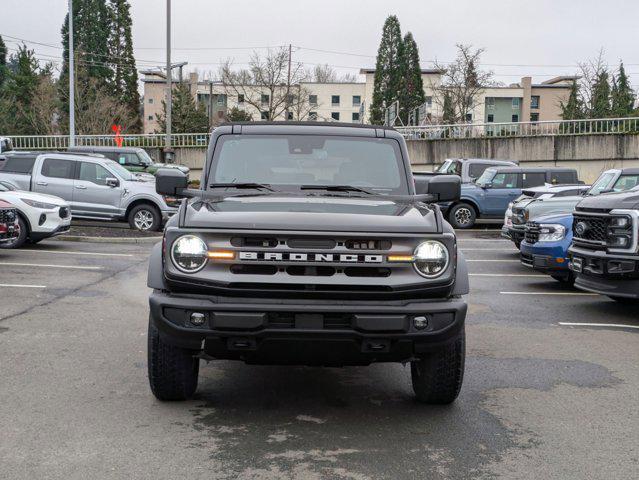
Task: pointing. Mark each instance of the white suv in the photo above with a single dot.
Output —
(40, 216)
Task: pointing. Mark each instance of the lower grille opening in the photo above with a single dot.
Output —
(329, 320)
(320, 271)
(254, 269)
(364, 244)
(367, 272)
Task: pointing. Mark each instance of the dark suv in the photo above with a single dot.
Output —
(309, 243)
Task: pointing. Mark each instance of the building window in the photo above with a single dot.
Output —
(312, 100)
(490, 103)
(221, 99)
(514, 118)
(356, 116)
(264, 115)
(534, 117)
(150, 117)
(357, 100)
(289, 116)
(469, 117)
(428, 101)
(491, 118)
(335, 115)
(312, 116)
(240, 98)
(534, 101)
(515, 103)
(335, 100)
(150, 100)
(264, 99)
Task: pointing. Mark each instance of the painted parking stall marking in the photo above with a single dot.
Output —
(45, 265)
(598, 325)
(12, 285)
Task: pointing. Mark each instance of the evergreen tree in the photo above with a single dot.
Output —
(600, 101)
(3, 61)
(448, 110)
(19, 91)
(388, 70)
(186, 116)
(122, 62)
(573, 108)
(411, 94)
(622, 95)
(239, 115)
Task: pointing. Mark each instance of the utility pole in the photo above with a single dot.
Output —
(288, 83)
(168, 151)
(71, 80)
(210, 103)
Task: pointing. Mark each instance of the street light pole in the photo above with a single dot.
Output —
(167, 147)
(71, 79)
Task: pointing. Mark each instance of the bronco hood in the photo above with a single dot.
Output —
(310, 213)
(610, 201)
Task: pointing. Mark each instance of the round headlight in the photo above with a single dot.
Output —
(431, 259)
(189, 253)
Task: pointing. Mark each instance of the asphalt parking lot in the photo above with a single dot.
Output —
(540, 399)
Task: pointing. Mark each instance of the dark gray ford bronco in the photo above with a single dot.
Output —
(309, 244)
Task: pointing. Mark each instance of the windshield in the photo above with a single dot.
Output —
(5, 187)
(122, 172)
(145, 158)
(451, 167)
(486, 177)
(287, 162)
(551, 207)
(602, 183)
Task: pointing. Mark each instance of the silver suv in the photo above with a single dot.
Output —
(95, 187)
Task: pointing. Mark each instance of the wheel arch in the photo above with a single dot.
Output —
(468, 201)
(141, 201)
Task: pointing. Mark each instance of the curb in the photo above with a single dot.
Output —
(139, 240)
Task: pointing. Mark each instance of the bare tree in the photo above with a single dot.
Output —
(268, 85)
(591, 73)
(462, 83)
(97, 111)
(327, 74)
(43, 114)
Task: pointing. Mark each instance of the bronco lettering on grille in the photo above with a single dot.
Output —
(310, 257)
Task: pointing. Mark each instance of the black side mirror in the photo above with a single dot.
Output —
(169, 181)
(112, 182)
(447, 188)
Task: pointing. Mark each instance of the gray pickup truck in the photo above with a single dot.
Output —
(94, 187)
(309, 243)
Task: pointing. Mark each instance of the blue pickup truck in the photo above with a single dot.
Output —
(490, 195)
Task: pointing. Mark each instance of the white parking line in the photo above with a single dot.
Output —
(609, 325)
(44, 265)
(494, 260)
(8, 285)
(578, 294)
(67, 252)
(527, 275)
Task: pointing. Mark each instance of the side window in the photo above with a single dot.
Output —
(626, 182)
(94, 173)
(18, 164)
(562, 177)
(56, 168)
(505, 180)
(476, 169)
(534, 179)
(128, 159)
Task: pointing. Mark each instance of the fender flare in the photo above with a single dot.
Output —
(155, 276)
(462, 286)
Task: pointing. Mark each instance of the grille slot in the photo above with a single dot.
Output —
(313, 271)
(254, 269)
(532, 233)
(262, 242)
(367, 272)
(312, 243)
(355, 244)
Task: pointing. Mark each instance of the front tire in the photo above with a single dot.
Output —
(462, 215)
(145, 218)
(21, 239)
(173, 371)
(437, 378)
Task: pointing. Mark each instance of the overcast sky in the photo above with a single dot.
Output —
(542, 38)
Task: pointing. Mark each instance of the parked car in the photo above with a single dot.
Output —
(9, 227)
(547, 236)
(469, 169)
(514, 219)
(132, 158)
(6, 145)
(94, 187)
(490, 195)
(40, 216)
(604, 254)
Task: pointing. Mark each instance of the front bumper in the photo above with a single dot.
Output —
(60, 230)
(308, 332)
(604, 273)
(516, 234)
(505, 232)
(550, 258)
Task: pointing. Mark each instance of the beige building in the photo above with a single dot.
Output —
(348, 102)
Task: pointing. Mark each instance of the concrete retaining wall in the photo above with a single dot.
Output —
(589, 154)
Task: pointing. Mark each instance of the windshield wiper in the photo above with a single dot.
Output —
(337, 188)
(257, 186)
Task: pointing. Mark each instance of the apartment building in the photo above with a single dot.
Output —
(349, 102)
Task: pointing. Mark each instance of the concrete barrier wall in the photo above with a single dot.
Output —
(589, 154)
